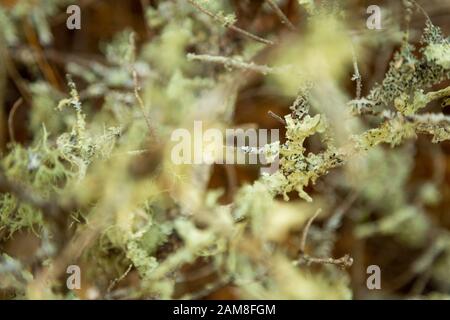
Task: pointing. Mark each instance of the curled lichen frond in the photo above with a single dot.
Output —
(297, 168)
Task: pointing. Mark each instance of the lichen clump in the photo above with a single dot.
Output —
(94, 184)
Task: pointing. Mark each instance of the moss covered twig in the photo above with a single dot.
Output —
(236, 63)
(228, 24)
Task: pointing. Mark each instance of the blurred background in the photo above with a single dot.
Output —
(397, 216)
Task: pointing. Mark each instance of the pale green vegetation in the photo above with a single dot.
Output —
(98, 188)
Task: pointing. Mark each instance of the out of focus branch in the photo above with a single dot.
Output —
(344, 262)
(280, 14)
(219, 19)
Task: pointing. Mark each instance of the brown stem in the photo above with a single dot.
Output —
(16, 105)
(344, 262)
(280, 14)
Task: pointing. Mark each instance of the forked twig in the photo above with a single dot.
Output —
(280, 14)
(344, 262)
(218, 18)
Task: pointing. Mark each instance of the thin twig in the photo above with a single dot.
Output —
(344, 262)
(16, 105)
(334, 222)
(421, 9)
(276, 117)
(356, 76)
(280, 14)
(117, 280)
(227, 25)
(306, 230)
(232, 63)
(140, 101)
(208, 289)
(137, 88)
